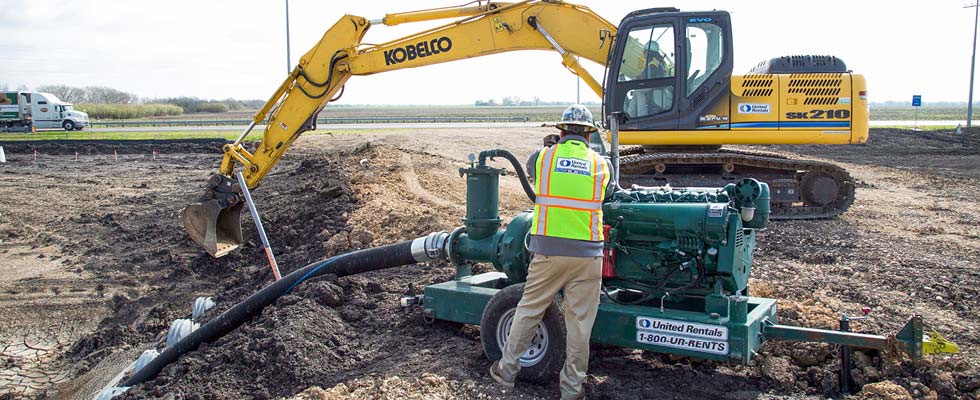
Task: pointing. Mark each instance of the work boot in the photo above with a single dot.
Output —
(496, 374)
(581, 396)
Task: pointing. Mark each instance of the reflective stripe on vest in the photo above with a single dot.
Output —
(570, 187)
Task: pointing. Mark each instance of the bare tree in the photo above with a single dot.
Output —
(66, 93)
(3, 87)
(108, 95)
(22, 87)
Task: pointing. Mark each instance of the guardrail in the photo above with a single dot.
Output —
(325, 121)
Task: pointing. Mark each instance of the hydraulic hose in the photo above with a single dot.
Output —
(361, 261)
(528, 190)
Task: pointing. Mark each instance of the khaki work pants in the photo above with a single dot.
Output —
(581, 280)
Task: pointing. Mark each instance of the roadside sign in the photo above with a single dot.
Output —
(916, 102)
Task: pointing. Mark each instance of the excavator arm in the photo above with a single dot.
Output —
(487, 28)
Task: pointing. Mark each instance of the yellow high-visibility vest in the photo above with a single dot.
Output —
(570, 185)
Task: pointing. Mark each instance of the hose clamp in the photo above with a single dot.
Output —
(430, 247)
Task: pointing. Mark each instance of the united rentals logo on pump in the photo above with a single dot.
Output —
(419, 50)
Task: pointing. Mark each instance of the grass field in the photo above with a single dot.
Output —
(539, 114)
(920, 128)
(535, 114)
(925, 113)
(85, 135)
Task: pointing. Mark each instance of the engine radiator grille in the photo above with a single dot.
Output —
(819, 89)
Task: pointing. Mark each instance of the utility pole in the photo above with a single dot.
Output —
(973, 62)
(289, 63)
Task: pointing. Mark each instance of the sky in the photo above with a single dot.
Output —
(236, 48)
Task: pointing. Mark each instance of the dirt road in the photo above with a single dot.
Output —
(94, 266)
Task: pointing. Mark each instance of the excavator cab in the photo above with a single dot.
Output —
(669, 68)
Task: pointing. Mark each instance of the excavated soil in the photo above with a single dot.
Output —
(95, 266)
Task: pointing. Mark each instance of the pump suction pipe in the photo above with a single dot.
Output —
(393, 255)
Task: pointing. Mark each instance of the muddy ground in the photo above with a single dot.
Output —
(94, 265)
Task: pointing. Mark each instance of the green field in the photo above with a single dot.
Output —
(925, 113)
(535, 114)
(174, 135)
(542, 113)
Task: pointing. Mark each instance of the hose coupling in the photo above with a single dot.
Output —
(430, 247)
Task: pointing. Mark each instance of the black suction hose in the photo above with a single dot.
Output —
(528, 190)
(392, 255)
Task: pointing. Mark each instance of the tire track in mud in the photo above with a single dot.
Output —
(411, 180)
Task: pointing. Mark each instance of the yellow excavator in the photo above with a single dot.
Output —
(668, 89)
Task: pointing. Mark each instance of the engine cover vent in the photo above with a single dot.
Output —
(757, 85)
(800, 64)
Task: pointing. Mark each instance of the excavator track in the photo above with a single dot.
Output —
(801, 189)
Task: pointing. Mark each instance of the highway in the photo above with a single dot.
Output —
(327, 127)
(435, 125)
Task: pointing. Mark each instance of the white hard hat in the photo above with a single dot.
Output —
(576, 116)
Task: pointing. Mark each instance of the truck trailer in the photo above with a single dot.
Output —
(27, 111)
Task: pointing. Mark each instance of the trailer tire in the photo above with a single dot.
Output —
(545, 357)
(69, 125)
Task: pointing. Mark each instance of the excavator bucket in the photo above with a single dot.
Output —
(218, 229)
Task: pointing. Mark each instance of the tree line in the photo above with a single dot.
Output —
(102, 102)
(509, 101)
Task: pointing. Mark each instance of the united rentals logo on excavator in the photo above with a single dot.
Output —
(418, 50)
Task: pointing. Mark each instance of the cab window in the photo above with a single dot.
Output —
(705, 44)
(649, 56)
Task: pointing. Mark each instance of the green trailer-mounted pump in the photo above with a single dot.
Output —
(675, 273)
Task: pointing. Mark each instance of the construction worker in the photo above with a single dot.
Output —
(658, 66)
(566, 239)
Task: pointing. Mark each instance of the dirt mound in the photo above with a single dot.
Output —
(428, 387)
(884, 391)
(329, 331)
(94, 147)
(350, 335)
(154, 284)
(909, 245)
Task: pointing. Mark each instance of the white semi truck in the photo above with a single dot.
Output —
(28, 111)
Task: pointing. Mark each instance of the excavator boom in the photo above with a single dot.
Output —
(571, 30)
(668, 76)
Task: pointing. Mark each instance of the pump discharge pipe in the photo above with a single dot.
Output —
(393, 255)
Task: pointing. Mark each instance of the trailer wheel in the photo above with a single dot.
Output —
(68, 125)
(545, 356)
